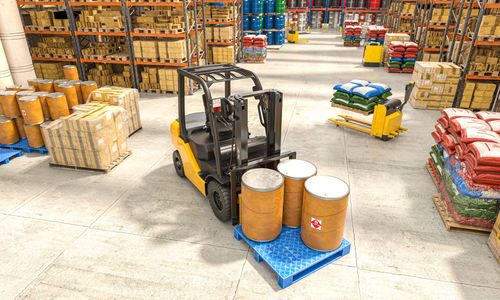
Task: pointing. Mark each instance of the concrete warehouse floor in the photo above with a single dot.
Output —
(143, 232)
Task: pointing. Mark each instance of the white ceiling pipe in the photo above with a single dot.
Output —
(14, 43)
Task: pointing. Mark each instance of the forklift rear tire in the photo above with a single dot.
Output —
(179, 168)
(220, 200)
(385, 138)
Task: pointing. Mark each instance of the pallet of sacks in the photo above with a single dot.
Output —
(467, 161)
(376, 33)
(360, 94)
(126, 98)
(352, 35)
(93, 137)
(255, 48)
(402, 57)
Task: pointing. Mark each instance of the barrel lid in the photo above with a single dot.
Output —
(24, 93)
(28, 98)
(262, 180)
(26, 87)
(7, 93)
(12, 87)
(41, 93)
(46, 81)
(326, 188)
(34, 80)
(4, 120)
(34, 124)
(296, 169)
(75, 81)
(66, 85)
(55, 95)
(59, 81)
(88, 82)
(69, 66)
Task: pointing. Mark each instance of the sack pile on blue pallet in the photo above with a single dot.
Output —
(266, 17)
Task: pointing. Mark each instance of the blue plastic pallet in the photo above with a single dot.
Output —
(7, 154)
(289, 257)
(24, 146)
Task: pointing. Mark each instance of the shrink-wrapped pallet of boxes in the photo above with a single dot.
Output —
(435, 85)
(126, 98)
(93, 137)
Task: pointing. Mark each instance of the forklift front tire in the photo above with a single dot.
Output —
(220, 200)
(179, 168)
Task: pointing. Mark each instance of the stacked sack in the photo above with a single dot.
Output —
(376, 33)
(402, 56)
(360, 94)
(352, 35)
(466, 161)
(255, 48)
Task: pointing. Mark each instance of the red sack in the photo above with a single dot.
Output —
(495, 125)
(486, 153)
(482, 177)
(480, 168)
(459, 152)
(437, 137)
(471, 135)
(449, 140)
(440, 129)
(488, 115)
(452, 113)
(448, 150)
(458, 124)
(444, 122)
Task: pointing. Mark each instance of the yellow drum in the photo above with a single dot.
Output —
(42, 96)
(57, 83)
(87, 88)
(78, 87)
(58, 107)
(261, 204)
(71, 72)
(296, 172)
(31, 109)
(35, 83)
(9, 104)
(20, 127)
(69, 91)
(46, 85)
(34, 135)
(323, 212)
(12, 88)
(1, 110)
(27, 88)
(23, 94)
(8, 131)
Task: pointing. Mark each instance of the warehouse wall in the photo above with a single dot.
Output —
(14, 43)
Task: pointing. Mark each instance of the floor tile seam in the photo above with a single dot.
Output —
(45, 220)
(24, 203)
(241, 274)
(164, 238)
(431, 279)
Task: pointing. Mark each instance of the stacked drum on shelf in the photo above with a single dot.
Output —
(294, 196)
(24, 109)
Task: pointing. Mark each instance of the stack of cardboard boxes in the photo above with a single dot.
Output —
(92, 137)
(162, 18)
(490, 25)
(49, 70)
(108, 74)
(102, 48)
(223, 54)
(435, 85)
(440, 15)
(426, 56)
(389, 37)
(408, 9)
(164, 79)
(477, 95)
(110, 18)
(49, 18)
(219, 13)
(219, 33)
(434, 39)
(161, 50)
(54, 45)
(128, 99)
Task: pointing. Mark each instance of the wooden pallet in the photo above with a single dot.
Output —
(366, 113)
(122, 56)
(158, 91)
(494, 244)
(220, 41)
(87, 29)
(274, 47)
(65, 56)
(111, 30)
(219, 20)
(272, 29)
(451, 224)
(59, 28)
(106, 170)
(37, 28)
(482, 73)
(433, 175)
(255, 61)
(488, 38)
(162, 60)
(94, 57)
(438, 23)
(169, 31)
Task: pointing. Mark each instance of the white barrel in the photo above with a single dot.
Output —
(5, 77)
(14, 43)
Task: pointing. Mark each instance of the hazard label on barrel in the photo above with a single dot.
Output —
(315, 223)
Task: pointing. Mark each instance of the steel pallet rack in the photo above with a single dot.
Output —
(466, 33)
(194, 55)
(237, 23)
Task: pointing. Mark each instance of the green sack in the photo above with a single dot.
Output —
(340, 101)
(363, 100)
(342, 95)
(385, 95)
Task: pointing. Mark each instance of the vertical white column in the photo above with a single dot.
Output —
(5, 77)
(14, 43)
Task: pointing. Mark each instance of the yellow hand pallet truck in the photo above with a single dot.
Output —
(386, 122)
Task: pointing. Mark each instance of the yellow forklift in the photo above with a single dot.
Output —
(214, 147)
(386, 122)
